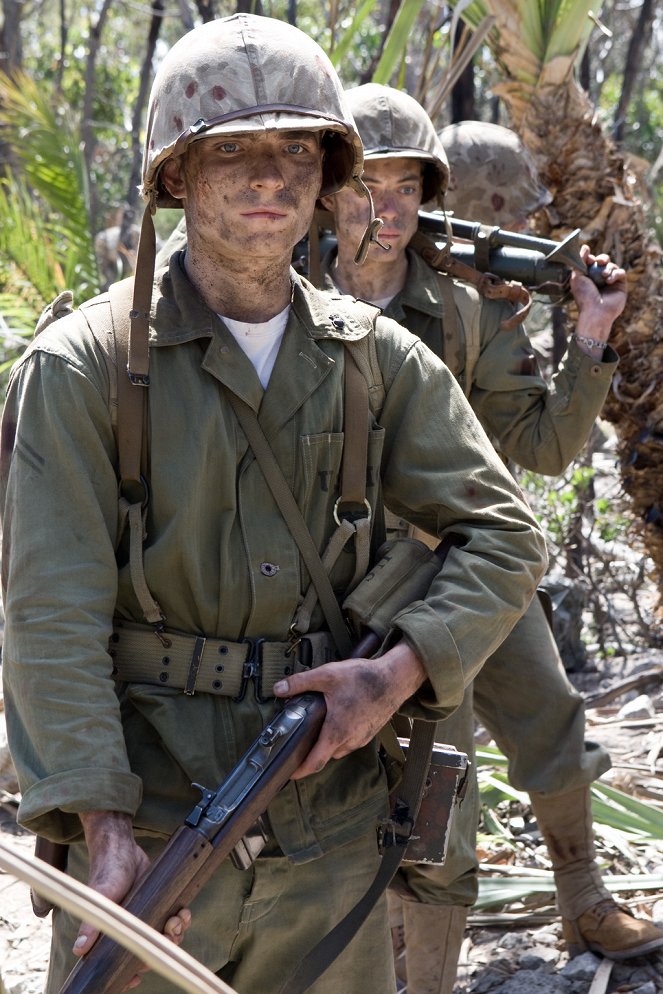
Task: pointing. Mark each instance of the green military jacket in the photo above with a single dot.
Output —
(540, 426)
(82, 743)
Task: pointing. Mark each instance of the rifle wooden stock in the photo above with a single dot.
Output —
(210, 834)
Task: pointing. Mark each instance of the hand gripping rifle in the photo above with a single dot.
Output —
(225, 822)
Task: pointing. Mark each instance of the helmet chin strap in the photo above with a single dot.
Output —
(370, 235)
(138, 362)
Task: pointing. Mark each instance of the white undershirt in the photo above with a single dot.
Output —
(260, 342)
(383, 302)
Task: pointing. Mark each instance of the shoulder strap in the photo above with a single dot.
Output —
(487, 284)
(131, 395)
(288, 506)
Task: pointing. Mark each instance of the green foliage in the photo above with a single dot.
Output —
(621, 820)
(397, 40)
(52, 168)
(558, 502)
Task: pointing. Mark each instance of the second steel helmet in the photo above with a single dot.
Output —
(247, 73)
(393, 124)
(493, 176)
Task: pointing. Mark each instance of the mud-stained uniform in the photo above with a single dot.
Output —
(221, 563)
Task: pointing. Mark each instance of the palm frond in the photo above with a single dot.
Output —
(397, 40)
(499, 891)
(51, 165)
(30, 265)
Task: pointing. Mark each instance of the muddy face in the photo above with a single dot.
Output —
(248, 194)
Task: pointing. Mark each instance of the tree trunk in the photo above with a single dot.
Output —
(206, 10)
(462, 96)
(11, 49)
(129, 215)
(636, 46)
(88, 136)
(392, 10)
(593, 190)
(11, 58)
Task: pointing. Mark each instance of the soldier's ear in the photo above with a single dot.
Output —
(171, 175)
(329, 202)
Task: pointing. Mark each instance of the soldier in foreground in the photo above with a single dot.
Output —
(247, 127)
(522, 694)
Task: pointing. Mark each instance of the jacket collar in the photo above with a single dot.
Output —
(420, 293)
(180, 315)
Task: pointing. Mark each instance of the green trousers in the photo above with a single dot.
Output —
(524, 698)
(251, 927)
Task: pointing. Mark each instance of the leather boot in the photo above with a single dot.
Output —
(433, 939)
(591, 919)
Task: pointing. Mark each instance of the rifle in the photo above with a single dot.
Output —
(225, 822)
(537, 263)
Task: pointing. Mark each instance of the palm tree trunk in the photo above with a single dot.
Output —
(594, 190)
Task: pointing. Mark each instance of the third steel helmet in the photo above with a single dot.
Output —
(493, 176)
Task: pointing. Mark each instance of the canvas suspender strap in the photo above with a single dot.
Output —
(410, 791)
(131, 397)
(132, 385)
(355, 428)
(314, 267)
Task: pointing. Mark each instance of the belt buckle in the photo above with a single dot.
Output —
(252, 670)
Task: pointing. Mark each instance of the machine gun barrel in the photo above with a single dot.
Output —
(510, 255)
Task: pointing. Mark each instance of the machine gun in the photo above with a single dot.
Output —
(538, 263)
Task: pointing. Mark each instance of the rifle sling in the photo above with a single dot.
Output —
(323, 954)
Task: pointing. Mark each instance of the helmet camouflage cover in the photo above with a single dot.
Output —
(393, 124)
(493, 176)
(247, 73)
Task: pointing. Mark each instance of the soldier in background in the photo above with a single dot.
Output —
(522, 694)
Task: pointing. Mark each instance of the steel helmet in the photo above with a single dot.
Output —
(493, 176)
(248, 73)
(393, 124)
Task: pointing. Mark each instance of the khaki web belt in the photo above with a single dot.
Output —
(193, 663)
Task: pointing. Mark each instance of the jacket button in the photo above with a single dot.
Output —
(269, 569)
